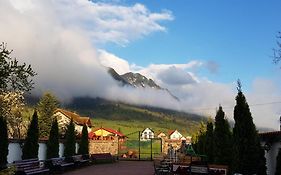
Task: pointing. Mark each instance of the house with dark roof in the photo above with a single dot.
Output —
(271, 141)
(147, 134)
(64, 117)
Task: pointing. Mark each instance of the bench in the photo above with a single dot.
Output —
(30, 166)
(81, 159)
(59, 164)
(102, 158)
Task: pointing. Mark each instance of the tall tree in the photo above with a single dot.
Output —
(31, 146)
(200, 140)
(245, 137)
(277, 51)
(53, 142)
(278, 163)
(209, 148)
(14, 76)
(69, 147)
(84, 143)
(46, 107)
(222, 139)
(3, 142)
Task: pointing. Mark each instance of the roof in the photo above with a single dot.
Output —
(170, 132)
(75, 117)
(109, 130)
(272, 133)
(273, 136)
(147, 128)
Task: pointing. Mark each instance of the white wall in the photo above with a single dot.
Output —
(15, 151)
(271, 157)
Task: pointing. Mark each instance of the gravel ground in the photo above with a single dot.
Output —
(118, 168)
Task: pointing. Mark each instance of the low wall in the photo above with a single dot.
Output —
(103, 146)
(15, 150)
(176, 144)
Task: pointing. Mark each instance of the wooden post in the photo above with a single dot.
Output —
(151, 149)
(139, 144)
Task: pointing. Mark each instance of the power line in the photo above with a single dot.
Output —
(231, 107)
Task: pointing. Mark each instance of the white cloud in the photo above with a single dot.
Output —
(107, 59)
(57, 38)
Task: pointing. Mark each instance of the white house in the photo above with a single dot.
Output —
(174, 135)
(64, 117)
(147, 134)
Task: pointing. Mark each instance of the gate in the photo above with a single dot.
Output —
(133, 148)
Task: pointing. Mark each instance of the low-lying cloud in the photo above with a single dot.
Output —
(61, 39)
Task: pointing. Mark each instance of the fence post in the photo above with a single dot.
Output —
(151, 149)
(139, 144)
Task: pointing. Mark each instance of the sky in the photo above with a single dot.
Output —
(197, 49)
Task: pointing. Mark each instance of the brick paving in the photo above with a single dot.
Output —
(118, 168)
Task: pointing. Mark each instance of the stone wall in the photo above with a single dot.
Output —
(103, 146)
(176, 144)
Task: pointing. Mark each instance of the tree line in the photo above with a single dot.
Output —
(240, 148)
(15, 80)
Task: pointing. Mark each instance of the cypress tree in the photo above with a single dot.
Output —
(245, 138)
(31, 146)
(46, 107)
(209, 148)
(222, 139)
(69, 147)
(3, 142)
(84, 143)
(53, 142)
(278, 163)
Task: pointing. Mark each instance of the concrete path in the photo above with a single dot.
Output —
(121, 167)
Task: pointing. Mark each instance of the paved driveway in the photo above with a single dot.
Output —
(121, 167)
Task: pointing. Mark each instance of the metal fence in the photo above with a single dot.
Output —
(134, 148)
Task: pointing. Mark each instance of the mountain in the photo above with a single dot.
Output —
(137, 80)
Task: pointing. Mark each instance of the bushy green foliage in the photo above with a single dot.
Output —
(46, 106)
(84, 143)
(222, 139)
(53, 142)
(14, 76)
(31, 146)
(246, 146)
(278, 163)
(69, 147)
(200, 140)
(3, 142)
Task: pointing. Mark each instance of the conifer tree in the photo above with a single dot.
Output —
(53, 142)
(222, 139)
(31, 146)
(245, 138)
(46, 107)
(69, 147)
(3, 142)
(84, 143)
(209, 147)
(200, 140)
(278, 163)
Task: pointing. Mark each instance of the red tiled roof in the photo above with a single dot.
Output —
(272, 133)
(111, 131)
(170, 132)
(75, 117)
